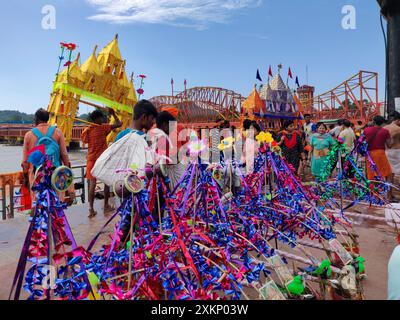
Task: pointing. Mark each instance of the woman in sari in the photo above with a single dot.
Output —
(291, 145)
(321, 143)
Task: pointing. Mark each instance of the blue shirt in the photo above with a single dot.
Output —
(394, 275)
(123, 133)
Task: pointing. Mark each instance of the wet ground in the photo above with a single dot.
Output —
(377, 242)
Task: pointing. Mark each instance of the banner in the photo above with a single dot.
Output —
(94, 97)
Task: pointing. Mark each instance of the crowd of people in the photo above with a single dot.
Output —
(149, 149)
(148, 145)
(310, 145)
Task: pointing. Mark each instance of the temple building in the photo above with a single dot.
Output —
(272, 104)
(100, 82)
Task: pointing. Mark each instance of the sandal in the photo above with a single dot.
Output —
(108, 209)
(92, 213)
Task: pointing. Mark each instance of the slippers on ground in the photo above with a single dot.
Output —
(108, 209)
(92, 213)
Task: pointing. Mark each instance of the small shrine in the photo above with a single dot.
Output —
(272, 104)
(100, 82)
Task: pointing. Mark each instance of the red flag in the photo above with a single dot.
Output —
(270, 71)
(290, 73)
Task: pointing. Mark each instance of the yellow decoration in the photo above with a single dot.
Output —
(91, 66)
(197, 146)
(100, 79)
(91, 96)
(277, 149)
(110, 51)
(265, 137)
(94, 282)
(72, 74)
(134, 167)
(227, 143)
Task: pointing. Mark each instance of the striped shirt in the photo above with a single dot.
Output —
(96, 138)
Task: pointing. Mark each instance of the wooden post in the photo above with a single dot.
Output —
(3, 199)
(11, 214)
(83, 197)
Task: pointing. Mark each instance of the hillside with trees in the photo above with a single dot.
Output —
(15, 117)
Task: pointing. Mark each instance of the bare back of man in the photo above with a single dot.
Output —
(393, 153)
(394, 130)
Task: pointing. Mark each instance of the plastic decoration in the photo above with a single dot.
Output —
(62, 178)
(133, 183)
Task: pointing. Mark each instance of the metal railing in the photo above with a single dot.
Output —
(10, 183)
(19, 131)
(82, 178)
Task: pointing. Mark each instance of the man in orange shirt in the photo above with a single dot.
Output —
(96, 138)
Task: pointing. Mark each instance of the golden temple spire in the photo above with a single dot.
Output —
(73, 71)
(92, 65)
(112, 49)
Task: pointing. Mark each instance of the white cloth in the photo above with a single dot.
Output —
(393, 156)
(251, 148)
(392, 214)
(131, 149)
(307, 128)
(174, 171)
(335, 132)
(349, 138)
(394, 275)
(154, 136)
(231, 177)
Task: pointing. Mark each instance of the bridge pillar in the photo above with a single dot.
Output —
(391, 11)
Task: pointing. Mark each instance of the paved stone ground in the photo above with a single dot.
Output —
(13, 232)
(377, 242)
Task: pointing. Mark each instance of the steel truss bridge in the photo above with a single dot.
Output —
(357, 98)
(202, 105)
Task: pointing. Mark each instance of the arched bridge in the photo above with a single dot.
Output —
(203, 104)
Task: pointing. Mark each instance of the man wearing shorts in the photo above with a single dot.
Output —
(96, 138)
